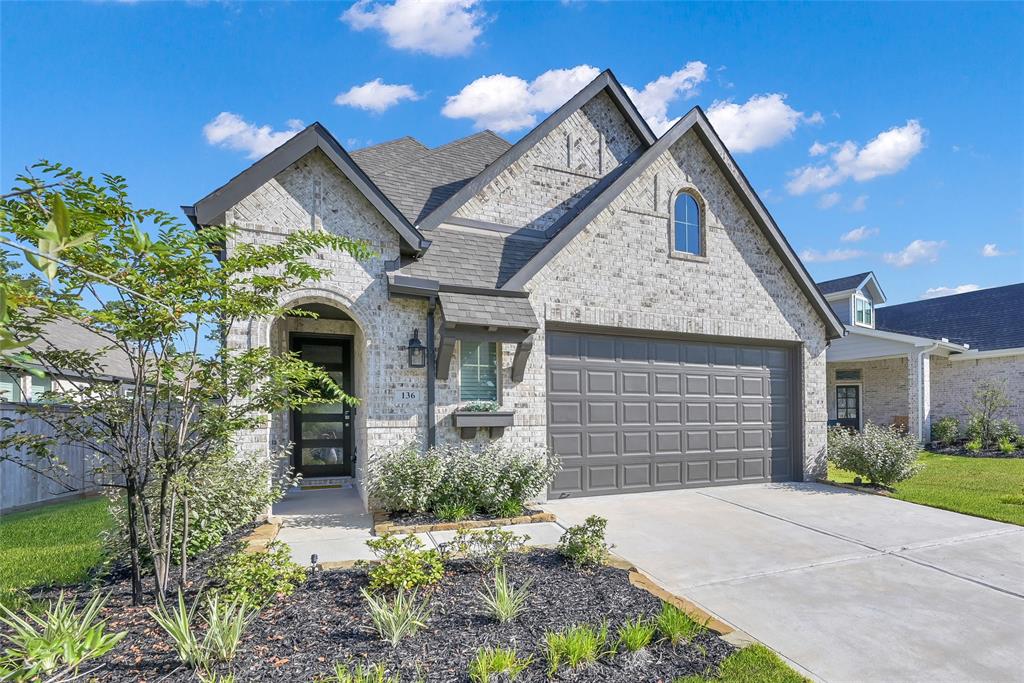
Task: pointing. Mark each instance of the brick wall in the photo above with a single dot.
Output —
(884, 393)
(954, 382)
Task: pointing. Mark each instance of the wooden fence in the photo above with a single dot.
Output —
(22, 488)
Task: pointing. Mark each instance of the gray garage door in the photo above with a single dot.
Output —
(635, 414)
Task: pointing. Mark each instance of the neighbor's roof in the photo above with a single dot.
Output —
(843, 284)
(65, 335)
(987, 319)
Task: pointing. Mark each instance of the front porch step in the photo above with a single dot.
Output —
(312, 483)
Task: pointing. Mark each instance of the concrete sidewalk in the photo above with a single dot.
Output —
(847, 586)
(332, 524)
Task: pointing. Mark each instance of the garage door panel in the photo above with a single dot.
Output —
(631, 414)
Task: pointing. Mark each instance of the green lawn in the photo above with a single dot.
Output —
(985, 487)
(56, 544)
(752, 664)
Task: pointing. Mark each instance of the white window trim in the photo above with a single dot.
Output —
(853, 310)
(702, 257)
(499, 389)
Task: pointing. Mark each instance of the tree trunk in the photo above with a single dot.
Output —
(182, 578)
(133, 543)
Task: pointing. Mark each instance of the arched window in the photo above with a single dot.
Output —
(686, 229)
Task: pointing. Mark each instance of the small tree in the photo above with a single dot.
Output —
(987, 404)
(154, 431)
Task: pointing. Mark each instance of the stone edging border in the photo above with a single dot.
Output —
(382, 523)
(261, 537)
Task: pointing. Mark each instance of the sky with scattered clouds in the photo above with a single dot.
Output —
(883, 137)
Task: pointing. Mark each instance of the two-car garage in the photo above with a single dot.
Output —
(629, 413)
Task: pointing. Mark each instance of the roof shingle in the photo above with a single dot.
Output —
(487, 311)
(476, 258)
(842, 284)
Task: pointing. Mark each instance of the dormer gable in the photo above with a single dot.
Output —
(854, 298)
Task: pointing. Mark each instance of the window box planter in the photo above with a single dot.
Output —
(469, 421)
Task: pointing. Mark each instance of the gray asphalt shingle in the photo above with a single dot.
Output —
(476, 258)
(842, 284)
(485, 310)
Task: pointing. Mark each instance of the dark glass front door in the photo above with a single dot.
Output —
(322, 434)
(848, 405)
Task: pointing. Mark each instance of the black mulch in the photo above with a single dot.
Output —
(301, 636)
(961, 451)
(420, 518)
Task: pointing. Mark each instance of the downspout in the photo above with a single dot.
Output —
(431, 372)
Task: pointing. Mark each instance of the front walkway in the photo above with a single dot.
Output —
(848, 586)
(331, 524)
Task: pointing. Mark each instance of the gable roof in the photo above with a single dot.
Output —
(473, 257)
(605, 81)
(987, 319)
(697, 121)
(210, 209)
(852, 283)
(421, 181)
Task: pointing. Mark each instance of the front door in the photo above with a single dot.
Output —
(322, 433)
(848, 405)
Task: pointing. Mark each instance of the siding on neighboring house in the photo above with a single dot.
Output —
(954, 381)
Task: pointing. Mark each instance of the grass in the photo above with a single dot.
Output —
(752, 664)
(57, 544)
(675, 626)
(984, 487)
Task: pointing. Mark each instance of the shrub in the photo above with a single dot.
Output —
(946, 431)
(454, 512)
(988, 402)
(635, 635)
(375, 673)
(225, 624)
(583, 545)
(403, 563)
(53, 645)
(576, 646)
(1006, 430)
(676, 626)
(404, 479)
(480, 407)
(400, 617)
(1007, 446)
(505, 601)
(973, 446)
(257, 577)
(500, 662)
(485, 549)
(885, 455)
(458, 480)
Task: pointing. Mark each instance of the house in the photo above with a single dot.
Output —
(626, 299)
(909, 364)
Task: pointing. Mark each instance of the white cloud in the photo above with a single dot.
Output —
(506, 103)
(233, 132)
(933, 292)
(991, 251)
(815, 256)
(828, 200)
(443, 28)
(858, 234)
(654, 99)
(915, 252)
(818, 149)
(887, 153)
(761, 121)
(859, 204)
(376, 95)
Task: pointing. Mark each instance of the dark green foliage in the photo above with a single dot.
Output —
(257, 577)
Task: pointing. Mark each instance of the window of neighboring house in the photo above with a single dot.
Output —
(10, 387)
(864, 311)
(478, 371)
(686, 224)
(40, 385)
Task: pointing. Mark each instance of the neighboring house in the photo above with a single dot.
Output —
(627, 299)
(910, 364)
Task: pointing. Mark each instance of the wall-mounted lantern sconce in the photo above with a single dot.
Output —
(417, 351)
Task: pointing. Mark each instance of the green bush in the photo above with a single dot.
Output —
(1005, 430)
(400, 617)
(484, 549)
(257, 577)
(53, 645)
(583, 545)
(497, 664)
(375, 673)
(635, 635)
(505, 601)
(1007, 446)
(226, 621)
(884, 455)
(576, 646)
(946, 431)
(456, 481)
(973, 446)
(676, 626)
(403, 563)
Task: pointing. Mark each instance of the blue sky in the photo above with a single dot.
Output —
(887, 137)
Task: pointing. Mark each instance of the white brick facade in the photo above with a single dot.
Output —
(616, 273)
(954, 381)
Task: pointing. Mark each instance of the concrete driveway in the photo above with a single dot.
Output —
(847, 586)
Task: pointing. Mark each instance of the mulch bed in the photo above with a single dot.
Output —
(301, 636)
(413, 519)
(961, 451)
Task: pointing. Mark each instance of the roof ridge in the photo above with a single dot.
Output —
(946, 297)
(448, 146)
(388, 142)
